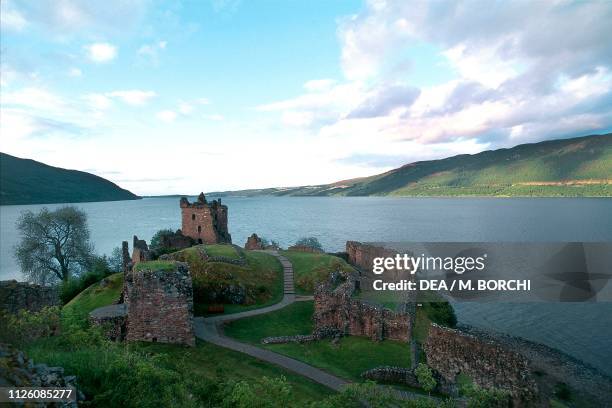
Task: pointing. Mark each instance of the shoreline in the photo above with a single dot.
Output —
(552, 366)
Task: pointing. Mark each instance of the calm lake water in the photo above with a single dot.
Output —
(581, 330)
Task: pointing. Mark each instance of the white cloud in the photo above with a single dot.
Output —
(167, 116)
(34, 98)
(98, 101)
(215, 117)
(151, 51)
(11, 18)
(133, 97)
(185, 108)
(101, 52)
(75, 72)
(203, 101)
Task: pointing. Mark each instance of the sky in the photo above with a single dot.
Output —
(182, 97)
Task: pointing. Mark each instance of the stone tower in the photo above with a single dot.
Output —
(205, 222)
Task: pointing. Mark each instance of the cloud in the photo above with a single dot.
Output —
(75, 72)
(101, 52)
(134, 97)
(151, 51)
(384, 100)
(67, 17)
(215, 117)
(185, 108)
(167, 116)
(98, 101)
(12, 19)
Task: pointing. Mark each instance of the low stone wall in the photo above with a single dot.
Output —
(17, 370)
(160, 306)
(336, 308)
(489, 365)
(15, 296)
(112, 319)
(406, 376)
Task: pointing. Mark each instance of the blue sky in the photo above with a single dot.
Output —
(179, 97)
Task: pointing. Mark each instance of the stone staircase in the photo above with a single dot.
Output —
(289, 288)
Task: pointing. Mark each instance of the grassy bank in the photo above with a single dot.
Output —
(260, 278)
(310, 268)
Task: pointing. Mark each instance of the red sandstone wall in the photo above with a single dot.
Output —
(205, 223)
(337, 309)
(160, 306)
(451, 352)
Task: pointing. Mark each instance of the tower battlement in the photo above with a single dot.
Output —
(205, 222)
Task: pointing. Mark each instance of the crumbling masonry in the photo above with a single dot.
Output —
(205, 223)
(337, 310)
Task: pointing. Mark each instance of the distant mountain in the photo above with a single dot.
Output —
(577, 167)
(24, 181)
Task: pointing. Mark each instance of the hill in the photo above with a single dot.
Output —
(574, 167)
(24, 181)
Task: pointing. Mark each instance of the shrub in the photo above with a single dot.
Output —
(156, 241)
(425, 377)
(26, 326)
(563, 392)
(310, 242)
(99, 269)
(486, 397)
(265, 393)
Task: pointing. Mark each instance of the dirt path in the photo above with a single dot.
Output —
(208, 329)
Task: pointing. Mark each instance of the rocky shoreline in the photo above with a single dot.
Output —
(553, 366)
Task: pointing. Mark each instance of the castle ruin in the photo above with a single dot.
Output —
(205, 223)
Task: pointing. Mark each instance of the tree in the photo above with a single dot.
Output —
(156, 240)
(54, 244)
(425, 377)
(310, 242)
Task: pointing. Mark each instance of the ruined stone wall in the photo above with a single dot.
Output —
(205, 222)
(15, 296)
(488, 364)
(336, 308)
(160, 305)
(304, 248)
(140, 251)
(175, 241)
(362, 255)
(253, 243)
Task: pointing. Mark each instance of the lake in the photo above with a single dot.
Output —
(582, 330)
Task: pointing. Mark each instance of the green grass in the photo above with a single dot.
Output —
(96, 296)
(225, 250)
(348, 359)
(203, 364)
(262, 277)
(309, 269)
(166, 266)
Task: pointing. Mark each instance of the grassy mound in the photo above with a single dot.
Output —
(258, 283)
(155, 266)
(348, 359)
(227, 251)
(103, 293)
(309, 269)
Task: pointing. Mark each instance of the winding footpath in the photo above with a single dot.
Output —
(209, 329)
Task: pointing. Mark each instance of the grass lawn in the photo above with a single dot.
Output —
(155, 266)
(310, 269)
(95, 296)
(225, 250)
(206, 361)
(348, 359)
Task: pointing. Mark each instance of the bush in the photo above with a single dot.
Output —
(99, 269)
(265, 393)
(310, 242)
(563, 392)
(156, 241)
(25, 326)
(486, 397)
(425, 377)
